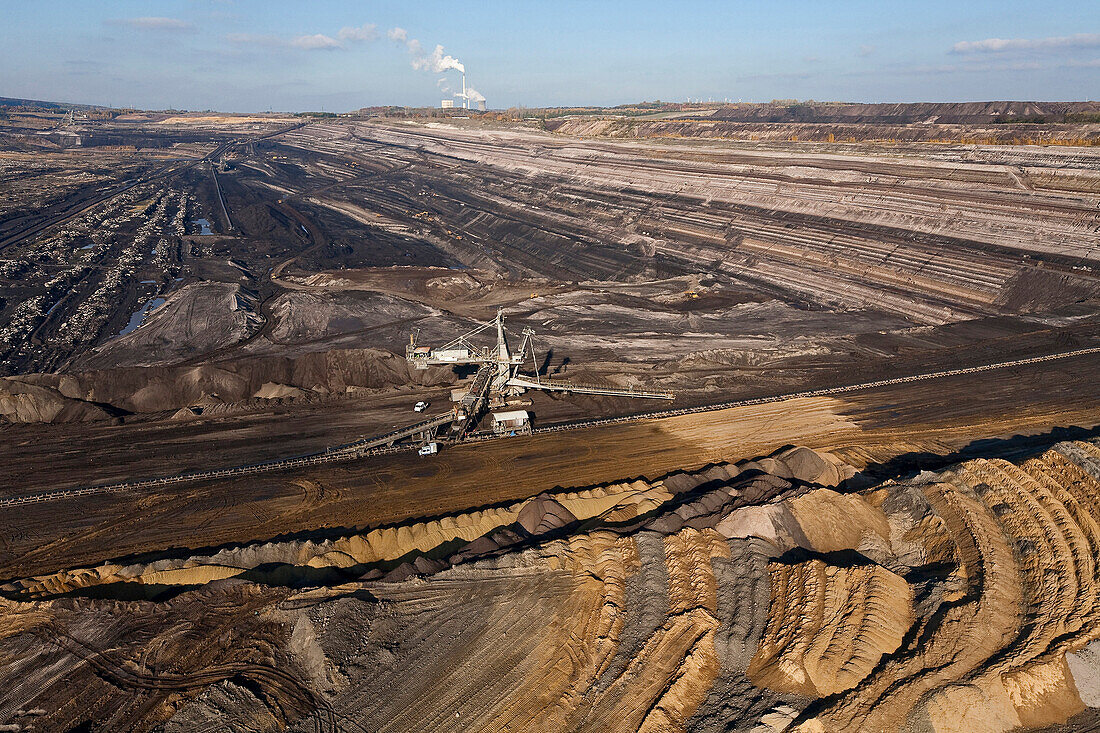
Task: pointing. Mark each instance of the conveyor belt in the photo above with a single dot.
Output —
(394, 436)
(475, 400)
(549, 385)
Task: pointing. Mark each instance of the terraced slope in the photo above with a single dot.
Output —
(928, 240)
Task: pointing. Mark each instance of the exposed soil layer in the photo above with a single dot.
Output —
(977, 123)
(748, 596)
(971, 113)
(888, 430)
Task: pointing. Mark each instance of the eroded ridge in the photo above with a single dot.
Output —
(759, 596)
(829, 626)
(990, 652)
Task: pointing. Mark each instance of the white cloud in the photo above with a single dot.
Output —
(400, 35)
(365, 32)
(154, 23)
(978, 65)
(1053, 43)
(254, 39)
(348, 35)
(315, 42)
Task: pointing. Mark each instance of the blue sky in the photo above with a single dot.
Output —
(251, 55)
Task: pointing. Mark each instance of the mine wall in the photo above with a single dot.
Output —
(841, 131)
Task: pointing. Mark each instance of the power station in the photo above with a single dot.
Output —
(466, 95)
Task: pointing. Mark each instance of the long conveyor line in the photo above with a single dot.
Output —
(379, 444)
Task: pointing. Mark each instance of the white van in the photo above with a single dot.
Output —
(428, 450)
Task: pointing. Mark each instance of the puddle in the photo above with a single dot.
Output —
(139, 315)
(205, 226)
(150, 305)
(88, 246)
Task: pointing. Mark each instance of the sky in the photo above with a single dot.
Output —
(340, 55)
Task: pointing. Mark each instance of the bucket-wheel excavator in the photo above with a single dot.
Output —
(499, 374)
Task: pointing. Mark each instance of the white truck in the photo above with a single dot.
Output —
(429, 449)
(421, 406)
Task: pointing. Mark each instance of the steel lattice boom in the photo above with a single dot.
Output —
(507, 379)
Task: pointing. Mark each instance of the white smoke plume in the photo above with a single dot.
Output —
(436, 61)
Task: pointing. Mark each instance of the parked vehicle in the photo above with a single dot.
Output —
(421, 406)
(428, 450)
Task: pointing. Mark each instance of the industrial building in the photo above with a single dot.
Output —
(447, 104)
(513, 422)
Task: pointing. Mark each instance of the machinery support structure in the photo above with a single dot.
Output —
(499, 375)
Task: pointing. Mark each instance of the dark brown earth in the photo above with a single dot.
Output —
(612, 563)
(717, 269)
(890, 429)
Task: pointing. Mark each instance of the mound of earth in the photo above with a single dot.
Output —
(57, 397)
(196, 319)
(275, 391)
(23, 402)
(302, 317)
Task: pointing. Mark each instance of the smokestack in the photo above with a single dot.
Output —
(465, 99)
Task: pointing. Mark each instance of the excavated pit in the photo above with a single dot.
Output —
(930, 566)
